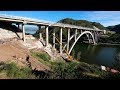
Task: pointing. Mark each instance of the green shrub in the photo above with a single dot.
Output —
(13, 71)
(64, 71)
(39, 55)
(116, 64)
(43, 56)
(2, 66)
(24, 73)
(78, 55)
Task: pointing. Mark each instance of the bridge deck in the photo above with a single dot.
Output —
(30, 21)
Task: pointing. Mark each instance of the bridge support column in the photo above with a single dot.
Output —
(54, 38)
(75, 34)
(47, 38)
(40, 34)
(19, 26)
(81, 31)
(68, 39)
(88, 38)
(61, 40)
(23, 30)
(95, 36)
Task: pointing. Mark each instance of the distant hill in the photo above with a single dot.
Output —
(115, 28)
(83, 23)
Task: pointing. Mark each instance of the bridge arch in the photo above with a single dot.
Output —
(85, 32)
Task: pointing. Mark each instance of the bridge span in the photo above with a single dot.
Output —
(79, 30)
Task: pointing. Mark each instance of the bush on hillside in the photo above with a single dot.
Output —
(14, 72)
(44, 56)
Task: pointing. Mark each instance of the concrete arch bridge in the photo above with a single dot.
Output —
(79, 31)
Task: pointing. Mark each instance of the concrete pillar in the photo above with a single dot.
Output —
(47, 38)
(75, 34)
(81, 31)
(61, 40)
(23, 31)
(54, 38)
(68, 39)
(95, 36)
(18, 25)
(88, 37)
(40, 34)
(97, 33)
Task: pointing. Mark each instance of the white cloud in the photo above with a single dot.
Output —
(110, 23)
(105, 17)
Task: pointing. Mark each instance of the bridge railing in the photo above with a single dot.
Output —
(23, 18)
(73, 26)
(11, 16)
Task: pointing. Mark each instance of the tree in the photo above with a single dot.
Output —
(78, 55)
(116, 64)
(73, 53)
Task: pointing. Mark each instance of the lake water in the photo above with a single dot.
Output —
(97, 54)
(30, 31)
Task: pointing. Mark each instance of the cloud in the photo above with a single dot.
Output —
(105, 17)
(110, 23)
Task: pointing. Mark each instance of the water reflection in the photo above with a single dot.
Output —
(97, 54)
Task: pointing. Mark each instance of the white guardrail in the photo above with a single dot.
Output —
(24, 18)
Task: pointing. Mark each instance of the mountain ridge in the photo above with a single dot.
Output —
(115, 28)
(83, 23)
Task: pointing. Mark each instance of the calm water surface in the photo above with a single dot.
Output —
(97, 54)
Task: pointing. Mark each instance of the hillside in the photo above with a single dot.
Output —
(115, 28)
(83, 23)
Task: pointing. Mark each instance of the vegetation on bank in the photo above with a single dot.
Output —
(74, 70)
(112, 38)
(59, 70)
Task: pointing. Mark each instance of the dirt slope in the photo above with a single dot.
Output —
(15, 51)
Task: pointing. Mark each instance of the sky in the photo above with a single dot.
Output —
(106, 18)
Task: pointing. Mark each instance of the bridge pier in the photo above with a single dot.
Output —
(23, 32)
(54, 39)
(75, 34)
(47, 41)
(68, 39)
(95, 35)
(18, 25)
(88, 37)
(61, 40)
(81, 31)
(40, 34)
